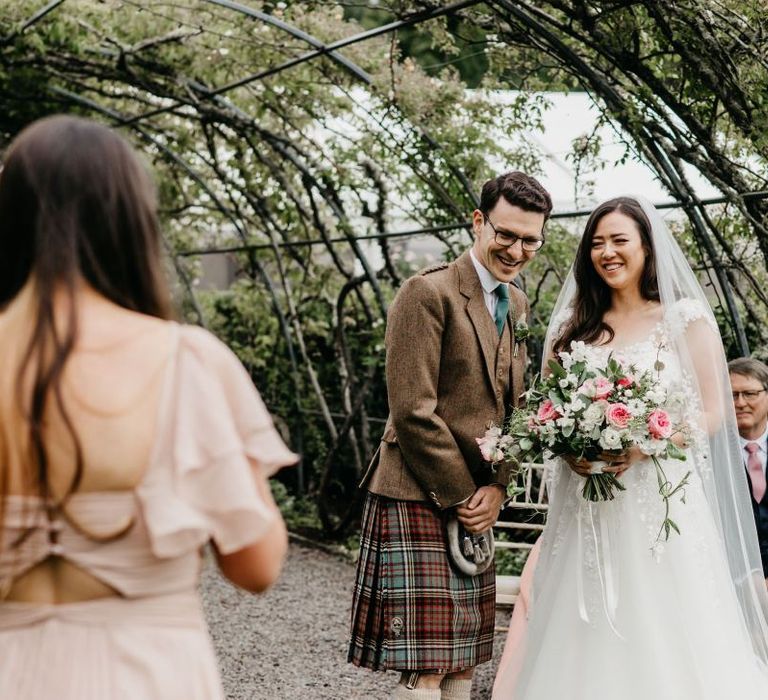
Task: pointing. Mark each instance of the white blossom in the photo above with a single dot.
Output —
(610, 439)
(650, 447)
(592, 417)
(579, 351)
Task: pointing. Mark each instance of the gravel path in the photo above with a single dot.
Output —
(291, 643)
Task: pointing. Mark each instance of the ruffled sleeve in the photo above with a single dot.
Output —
(214, 431)
(684, 312)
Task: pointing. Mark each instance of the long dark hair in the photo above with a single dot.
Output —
(593, 295)
(75, 204)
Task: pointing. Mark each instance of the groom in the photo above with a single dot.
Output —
(454, 366)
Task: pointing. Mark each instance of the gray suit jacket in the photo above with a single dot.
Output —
(449, 376)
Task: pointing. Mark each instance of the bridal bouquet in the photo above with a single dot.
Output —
(589, 411)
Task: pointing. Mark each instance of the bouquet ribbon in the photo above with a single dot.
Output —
(605, 564)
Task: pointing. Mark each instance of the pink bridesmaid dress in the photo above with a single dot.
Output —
(150, 641)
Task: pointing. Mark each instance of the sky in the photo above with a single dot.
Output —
(573, 115)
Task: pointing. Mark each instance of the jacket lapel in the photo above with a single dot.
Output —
(485, 328)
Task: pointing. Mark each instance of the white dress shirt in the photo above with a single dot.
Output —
(488, 283)
(761, 453)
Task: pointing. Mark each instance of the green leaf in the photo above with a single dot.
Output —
(674, 452)
(556, 369)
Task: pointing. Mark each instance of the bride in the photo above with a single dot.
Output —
(616, 612)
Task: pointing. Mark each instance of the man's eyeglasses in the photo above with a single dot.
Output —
(507, 240)
(748, 395)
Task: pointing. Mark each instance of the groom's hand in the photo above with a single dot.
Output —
(480, 512)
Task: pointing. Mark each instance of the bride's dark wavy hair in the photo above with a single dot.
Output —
(593, 295)
(75, 204)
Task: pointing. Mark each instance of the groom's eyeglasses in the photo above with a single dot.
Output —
(507, 240)
(748, 395)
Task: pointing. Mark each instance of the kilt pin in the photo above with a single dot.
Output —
(449, 376)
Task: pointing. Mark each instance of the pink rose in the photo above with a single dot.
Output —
(659, 425)
(618, 415)
(603, 388)
(626, 382)
(488, 448)
(489, 444)
(547, 412)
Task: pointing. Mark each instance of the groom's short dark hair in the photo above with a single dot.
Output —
(518, 189)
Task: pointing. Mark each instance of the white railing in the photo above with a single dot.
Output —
(531, 502)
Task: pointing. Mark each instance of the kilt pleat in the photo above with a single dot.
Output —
(411, 611)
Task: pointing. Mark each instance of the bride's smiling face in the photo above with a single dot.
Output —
(617, 251)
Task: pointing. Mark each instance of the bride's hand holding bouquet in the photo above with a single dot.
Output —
(600, 417)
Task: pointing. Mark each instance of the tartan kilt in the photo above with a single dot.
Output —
(411, 610)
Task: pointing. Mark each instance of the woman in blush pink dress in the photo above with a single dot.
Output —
(128, 441)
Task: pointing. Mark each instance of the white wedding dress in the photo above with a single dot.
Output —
(616, 616)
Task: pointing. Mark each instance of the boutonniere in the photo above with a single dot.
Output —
(522, 332)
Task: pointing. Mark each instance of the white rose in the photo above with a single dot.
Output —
(610, 439)
(594, 413)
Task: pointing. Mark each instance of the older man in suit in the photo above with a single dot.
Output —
(455, 363)
(749, 384)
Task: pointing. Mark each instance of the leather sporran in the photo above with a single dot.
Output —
(470, 553)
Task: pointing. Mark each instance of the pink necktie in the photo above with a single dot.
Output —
(755, 469)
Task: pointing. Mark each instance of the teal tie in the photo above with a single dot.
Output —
(502, 306)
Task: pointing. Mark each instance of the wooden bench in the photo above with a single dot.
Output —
(529, 505)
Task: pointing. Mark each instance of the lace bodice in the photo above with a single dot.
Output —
(656, 352)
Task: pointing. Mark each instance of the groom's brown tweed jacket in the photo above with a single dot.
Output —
(449, 376)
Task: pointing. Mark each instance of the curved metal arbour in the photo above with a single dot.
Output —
(233, 156)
